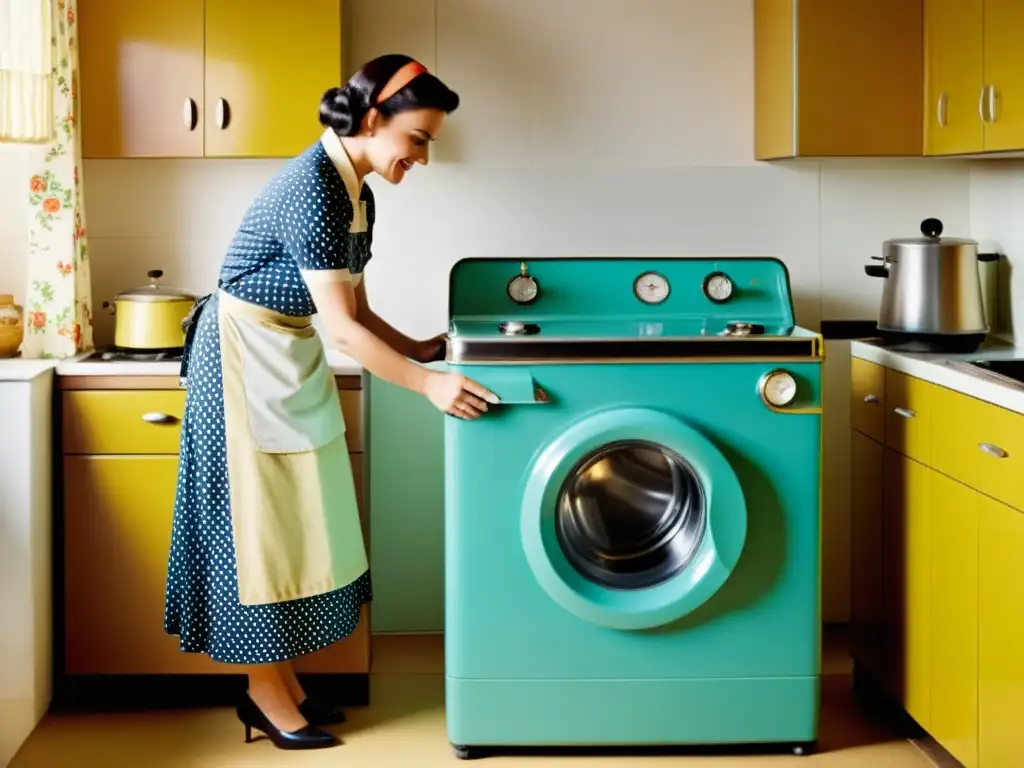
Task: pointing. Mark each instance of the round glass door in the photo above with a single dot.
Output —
(631, 519)
(630, 515)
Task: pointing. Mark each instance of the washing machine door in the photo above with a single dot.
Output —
(632, 519)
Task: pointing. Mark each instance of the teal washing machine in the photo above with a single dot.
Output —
(632, 538)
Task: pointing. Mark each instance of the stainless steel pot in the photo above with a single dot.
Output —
(149, 318)
(932, 288)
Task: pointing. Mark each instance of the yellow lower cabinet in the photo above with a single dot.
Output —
(866, 551)
(954, 617)
(1000, 636)
(907, 583)
(117, 528)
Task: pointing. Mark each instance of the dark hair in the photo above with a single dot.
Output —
(342, 109)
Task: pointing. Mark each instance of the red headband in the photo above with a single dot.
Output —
(405, 75)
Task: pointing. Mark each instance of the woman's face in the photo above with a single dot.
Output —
(399, 142)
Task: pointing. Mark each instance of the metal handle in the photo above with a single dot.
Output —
(906, 413)
(981, 104)
(870, 398)
(993, 450)
(190, 115)
(993, 104)
(159, 418)
(943, 100)
(221, 114)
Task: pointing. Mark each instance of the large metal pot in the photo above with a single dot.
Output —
(149, 318)
(932, 289)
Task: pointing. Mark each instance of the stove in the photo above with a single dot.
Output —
(126, 356)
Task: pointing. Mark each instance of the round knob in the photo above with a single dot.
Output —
(931, 228)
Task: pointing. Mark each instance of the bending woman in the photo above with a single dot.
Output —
(267, 560)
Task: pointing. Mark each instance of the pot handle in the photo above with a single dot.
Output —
(876, 270)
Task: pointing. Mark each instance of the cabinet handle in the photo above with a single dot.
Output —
(993, 104)
(993, 450)
(159, 418)
(981, 104)
(870, 398)
(943, 100)
(190, 115)
(906, 413)
(222, 114)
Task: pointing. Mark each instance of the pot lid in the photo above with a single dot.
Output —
(931, 231)
(154, 291)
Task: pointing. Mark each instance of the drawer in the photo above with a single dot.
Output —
(867, 398)
(909, 413)
(122, 421)
(983, 447)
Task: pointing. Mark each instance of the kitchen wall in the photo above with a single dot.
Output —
(997, 221)
(612, 127)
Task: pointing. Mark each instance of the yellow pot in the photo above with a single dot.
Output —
(12, 326)
(149, 318)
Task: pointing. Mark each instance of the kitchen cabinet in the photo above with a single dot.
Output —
(951, 537)
(1000, 629)
(974, 76)
(835, 78)
(866, 613)
(206, 78)
(120, 474)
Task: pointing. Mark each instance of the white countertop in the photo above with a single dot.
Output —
(341, 365)
(936, 368)
(19, 369)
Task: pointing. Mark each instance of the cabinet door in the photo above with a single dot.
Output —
(267, 65)
(954, 618)
(1004, 75)
(953, 76)
(866, 551)
(906, 571)
(1000, 633)
(117, 533)
(142, 78)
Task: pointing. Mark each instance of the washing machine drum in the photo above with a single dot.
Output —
(631, 515)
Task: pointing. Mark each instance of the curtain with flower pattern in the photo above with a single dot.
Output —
(58, 306)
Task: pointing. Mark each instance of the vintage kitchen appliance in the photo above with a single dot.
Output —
(632, 537)
(148, 319)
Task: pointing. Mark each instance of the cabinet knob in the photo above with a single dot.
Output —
(871, 399)
(222, 114)
(159, 418)
(190, 115)
(993, 450)
(941, 116)
(906, 413)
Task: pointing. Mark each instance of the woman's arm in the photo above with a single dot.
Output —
(369, 319)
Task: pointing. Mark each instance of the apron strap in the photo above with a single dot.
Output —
(188, 325)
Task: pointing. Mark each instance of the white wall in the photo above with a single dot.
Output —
(614, 127)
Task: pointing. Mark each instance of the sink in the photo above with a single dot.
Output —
(1007, 370)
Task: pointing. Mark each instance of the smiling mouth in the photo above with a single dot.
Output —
(406, 165)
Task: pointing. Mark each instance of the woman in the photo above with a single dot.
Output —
(267, 559)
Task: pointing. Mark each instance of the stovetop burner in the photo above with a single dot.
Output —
(128, 356)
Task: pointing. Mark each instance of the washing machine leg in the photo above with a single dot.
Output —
(805, 749)
(463, 752)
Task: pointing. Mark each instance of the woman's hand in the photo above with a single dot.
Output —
(431, 350)
(454, 394)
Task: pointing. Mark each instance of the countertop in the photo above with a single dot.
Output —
(341, 365)
(942, 370)
(18, 369)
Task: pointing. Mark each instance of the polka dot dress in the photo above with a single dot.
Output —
(299, 221)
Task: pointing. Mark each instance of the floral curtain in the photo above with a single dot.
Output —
(58, 305)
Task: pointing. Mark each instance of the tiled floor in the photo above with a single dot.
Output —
(404, 728)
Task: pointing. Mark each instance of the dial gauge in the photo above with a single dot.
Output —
(651, 288)
(718, 287)
(522, 288)
(777, 389)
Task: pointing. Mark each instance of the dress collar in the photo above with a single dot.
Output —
(343, 164)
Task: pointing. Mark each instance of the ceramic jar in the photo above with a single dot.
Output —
(12, 326)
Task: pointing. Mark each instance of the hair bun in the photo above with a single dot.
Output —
(336, 111)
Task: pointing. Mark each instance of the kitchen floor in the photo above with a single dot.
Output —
(405, 729)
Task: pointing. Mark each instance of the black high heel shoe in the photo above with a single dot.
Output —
(317, 713)
(308, 737)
